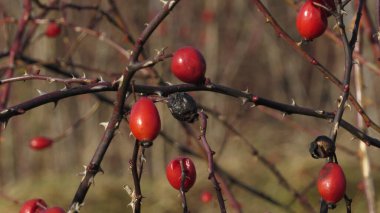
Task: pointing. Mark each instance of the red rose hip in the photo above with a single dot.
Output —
(40, 143)
(33, 206)
(189, 65)
(311, 21)
(331, 183)
(206, 197)
(174, 173)
(144, 121)
(52, 30)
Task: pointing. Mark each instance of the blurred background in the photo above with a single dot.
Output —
(241, 51)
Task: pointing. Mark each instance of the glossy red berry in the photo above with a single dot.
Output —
(33, 206)
(52, 30)
(331, 183)
(174, 173)
(327, 3)
(206, 197)
(189, 65)
(39, 143)
(311, 21)
(54, 210)
(144, 121)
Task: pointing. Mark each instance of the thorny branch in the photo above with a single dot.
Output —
(288, 109)
(210, 154)
(327, 74)
(118, 111)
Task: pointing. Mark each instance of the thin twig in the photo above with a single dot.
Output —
(181, 190)
(363, 149)
(210, 153)
(136, 200)
(15, 50)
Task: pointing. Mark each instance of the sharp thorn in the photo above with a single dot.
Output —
(40, 92)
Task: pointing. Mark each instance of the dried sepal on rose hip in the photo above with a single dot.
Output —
(311, 21)
(322, 147)
(144, 121)
(183, 107)
(189, 65)
(174, 173)
(36, 205)
(331, 183)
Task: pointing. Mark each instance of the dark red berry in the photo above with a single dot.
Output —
(39, 143)
(188, 65)
(311, 21)
(331, 183)
(174, 173)
(53, 30)
(33, 206)
(206, 197)
(144, 121)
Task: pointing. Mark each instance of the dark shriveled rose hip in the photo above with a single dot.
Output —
(183, 107)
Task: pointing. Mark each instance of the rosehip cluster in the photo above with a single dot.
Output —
(312, 18)
(38, 205)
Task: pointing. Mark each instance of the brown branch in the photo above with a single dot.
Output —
(327, 74)
(137, 197)
(210, 153)
(15, 49)
(181, 190)
(269, 165)
(220, 174)
(288, 109)
(94, 166)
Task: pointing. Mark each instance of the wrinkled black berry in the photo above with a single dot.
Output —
(322, 147)
(183, 107)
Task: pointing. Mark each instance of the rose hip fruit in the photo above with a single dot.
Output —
(331, 183)
(311, 21)
(53, 30)
(206, 197)
(33, 206)
(183, 107)
(174, 173)
(40, 143)
(144, 121)
(189, 65)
